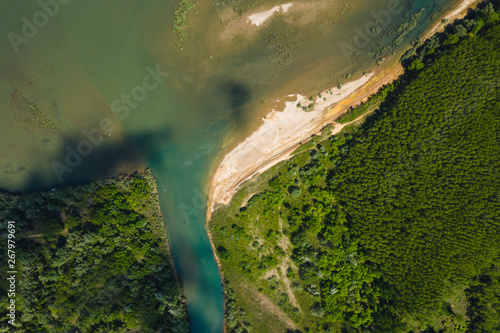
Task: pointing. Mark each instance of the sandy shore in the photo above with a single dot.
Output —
(284, 130)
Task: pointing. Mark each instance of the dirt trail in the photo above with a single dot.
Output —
(268, 305)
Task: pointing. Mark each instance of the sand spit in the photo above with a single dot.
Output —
(275, 139)
(260, 18)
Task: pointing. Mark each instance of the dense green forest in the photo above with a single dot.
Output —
(393, 227)
(92, 258)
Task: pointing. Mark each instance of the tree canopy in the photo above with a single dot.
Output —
(92, 258)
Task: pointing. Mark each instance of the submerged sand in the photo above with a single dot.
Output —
(260, 18)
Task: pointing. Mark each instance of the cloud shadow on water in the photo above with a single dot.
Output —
(239, 96)
(106, 160)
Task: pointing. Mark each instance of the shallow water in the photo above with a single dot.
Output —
(75, 73)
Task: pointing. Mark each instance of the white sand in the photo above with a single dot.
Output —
(260, 18)
(274, 140)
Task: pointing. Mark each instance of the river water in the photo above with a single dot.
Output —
(71, 71)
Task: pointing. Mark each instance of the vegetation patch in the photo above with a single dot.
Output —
(92, 258)
(183, 8)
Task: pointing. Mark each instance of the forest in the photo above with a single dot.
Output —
(92, 258)
(390, 227)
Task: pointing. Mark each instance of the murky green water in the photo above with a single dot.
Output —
(93, 68)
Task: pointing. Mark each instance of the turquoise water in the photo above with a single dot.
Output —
(73, 70)
(189, 241)
(81, 67)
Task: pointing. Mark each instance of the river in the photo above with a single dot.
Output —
(70, 70)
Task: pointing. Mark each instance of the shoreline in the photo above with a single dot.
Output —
(287, 130)
(148, 174)
(328, 114)
(255, 155)
(219, 265)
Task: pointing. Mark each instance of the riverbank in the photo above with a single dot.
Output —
(284, 130)
(158, 216)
